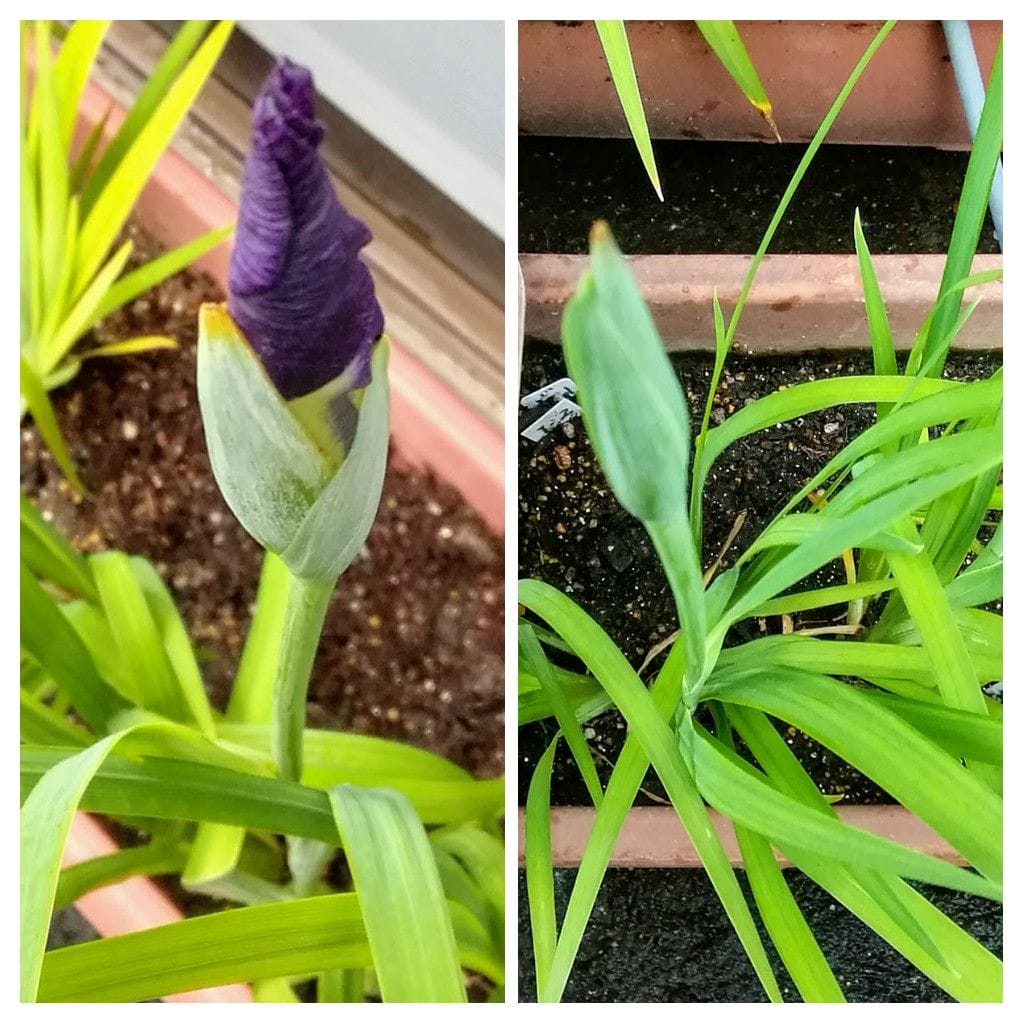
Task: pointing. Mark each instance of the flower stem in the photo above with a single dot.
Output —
(303, 620)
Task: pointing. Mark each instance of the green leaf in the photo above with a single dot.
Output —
(724, 38)
(53, 165)
(40, 723)
(745, 796)
(530, 650)
(142, 617)
(887, 750)
(407, 921)
(540, 878)
(50, 639)
(985, 153)
(108, 200)
(440, 791)
(47, 553)
(644, 717)
(83, 313)
(129, 347)
(883, 351)
(586, 698)
(279, 939)
(615, 44)
(38, 404)
(46, 820)
(781, 914)
(149, 274)
(926, 601)
(155, 858)
(803, 399)
(153, 91)
(623, 786)
(45, 823)
(71, 71)
(696, 494)
(942, 950)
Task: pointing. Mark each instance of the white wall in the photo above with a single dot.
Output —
(431, 91)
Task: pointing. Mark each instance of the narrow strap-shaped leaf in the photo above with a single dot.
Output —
(138, 637)
(928, 606)
(540, 876)
(615, 44)
(52, 641)
(164, 266)
(937, 946)
(71, 71)
(171, 62)
(53, 166)
(883, 352)
(107, 201)
(981, 167)
(611, 669)
(38, 403)
(46, 820)
(744, 795)
(700, 467)
(724, 38)
(155, 858)
(41, 724)
(45, 823)
(47, 552)
(407, 921)
(82, 315)
(128, 347)
(886, 749)
(176, 644)
(295, 937)
(787, 927)
(530, 650)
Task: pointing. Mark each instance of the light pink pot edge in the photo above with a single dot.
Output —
(132, 905)
(653, 837)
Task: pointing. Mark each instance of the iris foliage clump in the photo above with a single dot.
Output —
(909, 508)
(369, 867)
(77, 194)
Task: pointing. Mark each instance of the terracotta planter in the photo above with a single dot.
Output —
(797, 302)
(907, 96)
(431, 426)
(653, 837)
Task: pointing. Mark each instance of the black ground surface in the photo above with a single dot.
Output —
(661, 936)
(719, 197)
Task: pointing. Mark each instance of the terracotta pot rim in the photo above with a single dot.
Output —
(653, 837)
(906, 96)
(798, 302)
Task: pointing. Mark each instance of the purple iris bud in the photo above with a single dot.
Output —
(297, 287)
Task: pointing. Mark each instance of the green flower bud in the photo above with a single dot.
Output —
(633, 407)
(303, 477)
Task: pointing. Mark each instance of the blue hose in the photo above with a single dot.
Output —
(972, 96)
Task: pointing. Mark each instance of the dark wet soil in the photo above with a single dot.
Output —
(413, 644)
(574, 535)
(720, 196)
(659, 935)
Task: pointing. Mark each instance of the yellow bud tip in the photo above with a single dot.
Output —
(600, 232)
(214, 319)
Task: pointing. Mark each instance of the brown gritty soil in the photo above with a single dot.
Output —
(412, 648)
(574, 535)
